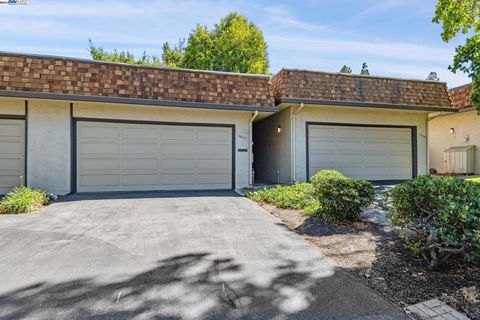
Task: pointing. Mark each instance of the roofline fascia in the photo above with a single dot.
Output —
(137, 101)
(363, 104)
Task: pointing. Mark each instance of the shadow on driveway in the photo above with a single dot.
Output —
(191, 287)
(146, 195)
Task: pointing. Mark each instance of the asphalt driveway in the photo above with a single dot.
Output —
(170, 256)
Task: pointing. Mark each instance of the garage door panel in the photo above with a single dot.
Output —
(100, 180)
(220, 164)
(106, 131)
(178, 149)
(178, 133)
(99, 148)
(155, 157)
(214, 134)
(139, 148)
(99, 164)
(11, 146)
(178, 164)
(9, 164)
(323, 132)
(132, 132)
(140, 179)
(11, 129)
(177, 179)
(213, 178)
(214, 149)
(138, 164)
(372, 153)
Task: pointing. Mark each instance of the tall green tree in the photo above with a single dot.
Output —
(235, 44)
(463, 17)
(98, 53)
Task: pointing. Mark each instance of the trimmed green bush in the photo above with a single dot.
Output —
(297, 196)
(341, 198)
(439, 216)
(23, 200)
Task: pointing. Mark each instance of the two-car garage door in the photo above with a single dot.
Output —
(114, 156)
(361, 152)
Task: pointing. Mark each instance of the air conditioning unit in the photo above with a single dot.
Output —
(459, 160)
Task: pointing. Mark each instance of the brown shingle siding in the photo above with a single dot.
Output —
(73, 76)
(302, 84)
(460, 97)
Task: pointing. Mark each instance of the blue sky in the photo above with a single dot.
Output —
(395, 37)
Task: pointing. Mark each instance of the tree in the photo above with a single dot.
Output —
(463, 17)
(234, 45)
(364, 70)
(346, 69)
(98, 53)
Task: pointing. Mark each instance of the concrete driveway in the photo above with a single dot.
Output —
(170, 256)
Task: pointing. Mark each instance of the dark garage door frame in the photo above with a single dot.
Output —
(74, 155)
(413, 135)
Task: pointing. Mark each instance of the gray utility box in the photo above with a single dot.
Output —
(459, 160)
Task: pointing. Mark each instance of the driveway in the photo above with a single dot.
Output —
(194, 255)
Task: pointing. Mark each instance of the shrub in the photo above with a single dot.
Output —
(341, 198)
(297, 196)
(22, 200)
(439, 216)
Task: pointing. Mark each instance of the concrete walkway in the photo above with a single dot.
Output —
(170, 256)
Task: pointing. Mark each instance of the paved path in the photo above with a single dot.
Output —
(170, 256)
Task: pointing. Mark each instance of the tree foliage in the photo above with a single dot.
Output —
(98, 53)
(364, 70)
(234, 45)
(346, 69)
(463, 17)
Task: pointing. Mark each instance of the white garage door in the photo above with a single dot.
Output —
(372, 153)
(129, 157)
(12, 154)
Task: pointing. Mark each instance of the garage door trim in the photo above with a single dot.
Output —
(167, 123)
(412, 128)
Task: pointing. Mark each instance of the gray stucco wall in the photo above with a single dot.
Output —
(48, 157)
(271, 149)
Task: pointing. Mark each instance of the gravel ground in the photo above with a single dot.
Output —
(374, 254)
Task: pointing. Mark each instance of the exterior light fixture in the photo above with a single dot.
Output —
(452, 130)
(279, 129)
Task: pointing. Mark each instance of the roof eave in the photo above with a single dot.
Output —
(358, 104)
(136, 101)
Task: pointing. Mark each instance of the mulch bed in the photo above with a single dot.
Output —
(376, 256)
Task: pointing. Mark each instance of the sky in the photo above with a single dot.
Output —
(394, 37)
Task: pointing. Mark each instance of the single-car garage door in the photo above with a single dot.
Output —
(115, 156)
(12, 154)
(361, 152)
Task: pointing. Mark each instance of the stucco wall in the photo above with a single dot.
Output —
(271, 149)
(127, 112)
(12, 106)
(465, 124)
(48, 151)
(359, 116)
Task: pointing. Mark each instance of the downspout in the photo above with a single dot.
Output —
(250, 152)
(293, 141)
